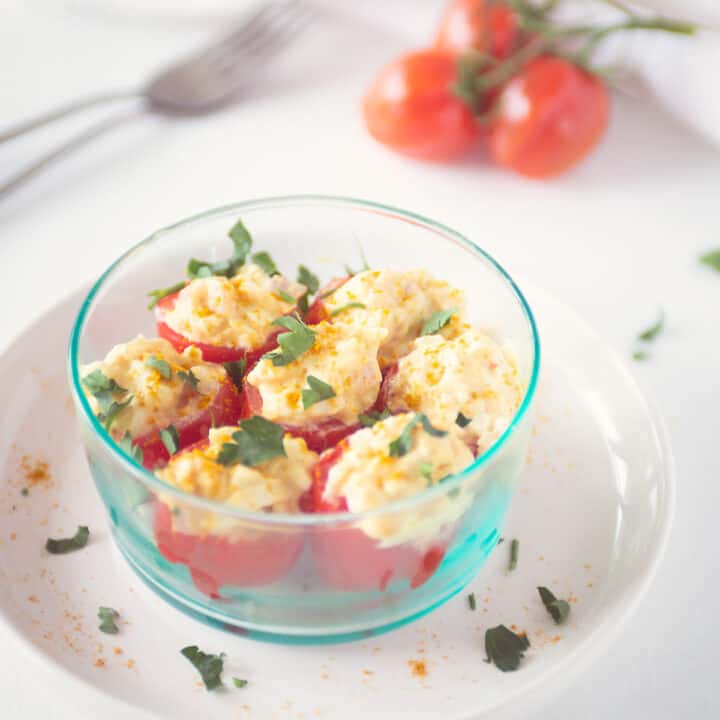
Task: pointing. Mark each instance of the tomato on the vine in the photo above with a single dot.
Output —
(551, 114)
(413, 109)
(487, 27)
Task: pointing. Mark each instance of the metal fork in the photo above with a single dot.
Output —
(203, 83)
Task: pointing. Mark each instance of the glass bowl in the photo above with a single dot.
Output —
(306, 578)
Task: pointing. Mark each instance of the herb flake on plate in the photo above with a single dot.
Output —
(514, 551)
(654, 330)
(258, 441)
(66, 545)
(294, 343)
(437, 321)
(559, 609)
(504, 648)
(239, 682)
(402, 444)
(711, 259)
(108, 616)
(472, 602)
(316, 392)
(209, 666)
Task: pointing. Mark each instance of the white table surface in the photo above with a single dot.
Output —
(616, 239)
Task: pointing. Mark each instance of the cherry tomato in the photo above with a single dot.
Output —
(489, 28)
(224, 409)
(348, 559)
(318, 435)
(317, 312)
(551, 115)
(210, 353)
(411, 108)
(214, 560)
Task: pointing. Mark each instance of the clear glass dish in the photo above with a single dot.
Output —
(306, 578)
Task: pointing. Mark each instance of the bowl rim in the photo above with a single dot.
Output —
(150, 480)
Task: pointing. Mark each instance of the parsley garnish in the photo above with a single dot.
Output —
(287, 297)
(437, 321)
(514, 549)
(402, 444)
(425, 468)
(25, 492)
(349, 305)
(188, 378)
(162, 366)
(97, 382)
(66, 545)
(102, 388)
(242, 242)
(293, 343)
(504, 648)
(462, 421)
(159, 294)
(239, 682)
(108, 616)
(258, 441)
(317, 391)
(265, 263)
(558, 609)
(641, 355)
(712, 259)
(210, 667)
(170, 439)
(370, 418)
(654, 330)
(108, 416)
(311, 282)
(128, 446)
(236, 370)
(471, 601)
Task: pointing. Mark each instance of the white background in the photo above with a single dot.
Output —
(617, 239)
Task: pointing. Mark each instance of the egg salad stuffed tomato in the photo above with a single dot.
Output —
(252, 467)
(153, 400)
(397, 457)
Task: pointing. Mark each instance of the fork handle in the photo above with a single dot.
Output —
(76, 142)
(64, 111)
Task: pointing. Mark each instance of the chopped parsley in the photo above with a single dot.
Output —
(242, 242)
(98, 382)
(210, 667)
(258, 441)
(108, 616)
(558, 609)
(188, 378)
(316, 392)
(25, 492)
(425, 469)
(239, 682)
(162, 366)
(66, 545)
(130, 448)
(514, 550)
(265, 262)
(370, 418)
(471, 601)
(294, 343)
(286, 297)
(102, 388)
(236, 370)
(654, 330)
(170, 439)
(641, 355)
(462, 421)
(161, 293)
(437, 321)
(504, 648)
(712, 259)
(348, 306)
(402, 444)
(311, 283)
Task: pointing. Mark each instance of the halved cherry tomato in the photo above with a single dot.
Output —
(551, 115)
(348, 559)
(412, 108)
(224, 409)
(210, 353)
(318, 435)
(214, 560)
(317, 312)
(488, 27)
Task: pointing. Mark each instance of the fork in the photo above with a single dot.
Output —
(198, 85)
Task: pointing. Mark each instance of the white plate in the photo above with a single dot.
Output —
(592, 515)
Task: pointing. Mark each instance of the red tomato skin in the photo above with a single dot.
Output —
(210, 353)
(348, 559)
(318, 436)
(411, 108)
(552, 114)
(489, 28)
(317, 312)
(225, 409)
(214, 560)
